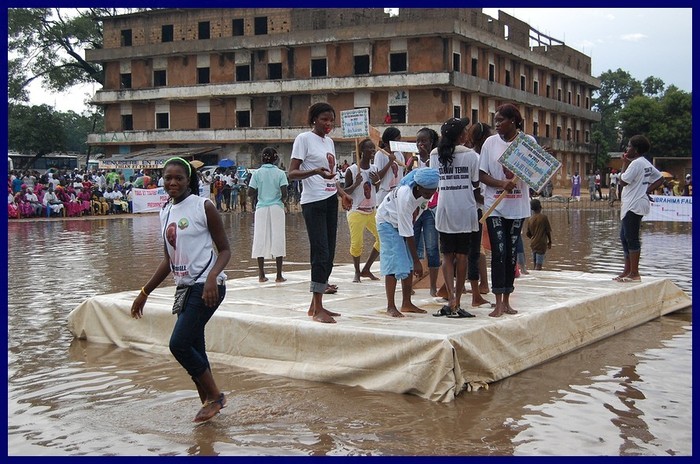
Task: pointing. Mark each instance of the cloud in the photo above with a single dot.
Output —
(635, 37)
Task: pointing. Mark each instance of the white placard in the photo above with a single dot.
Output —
(355, 123)
(404, 147)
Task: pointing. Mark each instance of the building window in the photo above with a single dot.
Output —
(126, 38)
(558, 94)
(536, 88)
(398, 62)
(243, 118)
(558, 132)
(578, 99)
(362, 64)
(274, 71)
(549, 90)
(587, 135)
(457, 62)
(398, 114)
(318, 67)
(522, 83)
(202, 75)
(456, 111)
(587, 104)
(475, 66)
(568, 97)
(578, 136)
(127, 122)
(166, 33)
(203, 120)
(475, 116)
(546, 130)
(238, 27)
(261, 25)
(568, 135)
(507, 78)
(162, 120)
(243, 73)
(160, 78)
(492, 72)
(203, 30)
(535, 129)
(125, 80)
(274, 118)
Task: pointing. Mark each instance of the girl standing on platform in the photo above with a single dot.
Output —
(506, 221)
(191, 227)
(398, 257)
(313, 162)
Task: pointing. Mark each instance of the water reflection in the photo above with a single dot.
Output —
(626, 395)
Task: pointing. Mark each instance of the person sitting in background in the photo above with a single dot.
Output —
(12, 208)
(52, 202)
(33, 202)
(99, 203)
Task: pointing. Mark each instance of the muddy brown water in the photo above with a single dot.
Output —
(630, 394)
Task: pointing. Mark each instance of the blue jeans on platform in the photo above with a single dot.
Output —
(187, 340)
(321, 218)
(426, 237)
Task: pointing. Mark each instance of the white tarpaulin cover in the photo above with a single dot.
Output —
(265, 328)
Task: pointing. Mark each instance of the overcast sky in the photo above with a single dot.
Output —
(642, 41)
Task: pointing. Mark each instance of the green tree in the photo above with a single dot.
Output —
(78, 126)
(35, 129)
(47, 44)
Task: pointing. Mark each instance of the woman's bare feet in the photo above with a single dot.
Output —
(262, 279)
(369, 275)
(280, 279)
(411, 308)
(497, 311)
(393, 312)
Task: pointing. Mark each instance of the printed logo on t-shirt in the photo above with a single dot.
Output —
(183, 224)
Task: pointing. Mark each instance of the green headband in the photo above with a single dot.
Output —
(187, 163)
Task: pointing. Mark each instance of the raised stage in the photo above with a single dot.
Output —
(265, 328)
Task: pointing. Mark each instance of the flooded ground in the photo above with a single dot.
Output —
(630, 394)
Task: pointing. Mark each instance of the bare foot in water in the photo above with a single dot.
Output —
(369, 275)
(411, 308)
(393, 312)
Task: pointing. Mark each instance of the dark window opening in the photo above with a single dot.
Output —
(522, 82)
(160, 78)
(274, 118)
(507, 78)
(578, 99)
(362, 64)
(125, 80)
(202, 75)
(457, 62)
(243, 118)
(238, 27)
(398, 62)
(203, 30)
(456, 112)
(475, 66)
(492, 72)
(587, 104)
(162, 120)
(558, 94)
(127, 122)
(261, 25)
(568, 135)
(568, 97)
(535, 129)
(578, 136)
(398, 114)
(558, 133)
(536, 88)
(475, 116)
(587, 136)
(274, 71)
(243, 73)
(126, 38)
(549, 88)
(318, 67)
(203, 120)
(166, 33)
(546, 130)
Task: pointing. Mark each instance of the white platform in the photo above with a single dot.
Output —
(265, 328)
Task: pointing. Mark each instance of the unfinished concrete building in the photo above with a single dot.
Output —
(224, 83)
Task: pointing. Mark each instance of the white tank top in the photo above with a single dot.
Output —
(188, 241)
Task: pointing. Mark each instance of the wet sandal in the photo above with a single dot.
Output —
(460, 313)
(202, 416)
(444, 311)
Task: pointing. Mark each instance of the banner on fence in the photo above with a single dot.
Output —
(152, 200)
(670, 209)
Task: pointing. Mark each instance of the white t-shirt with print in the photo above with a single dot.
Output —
(638, 176)
(394, 174)
(397, 209)
(516, 204)
(314, 152)
(364, 197)
(456, 210)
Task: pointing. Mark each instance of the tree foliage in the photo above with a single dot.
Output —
(629, 107)
(47, 44)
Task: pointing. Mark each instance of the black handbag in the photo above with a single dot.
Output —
(182, 292)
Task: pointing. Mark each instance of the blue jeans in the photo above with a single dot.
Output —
(426, 237)
(629, 233)
(187, 340)
(321, 218)
(503, 235)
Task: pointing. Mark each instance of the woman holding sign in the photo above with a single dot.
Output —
(506, 220)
